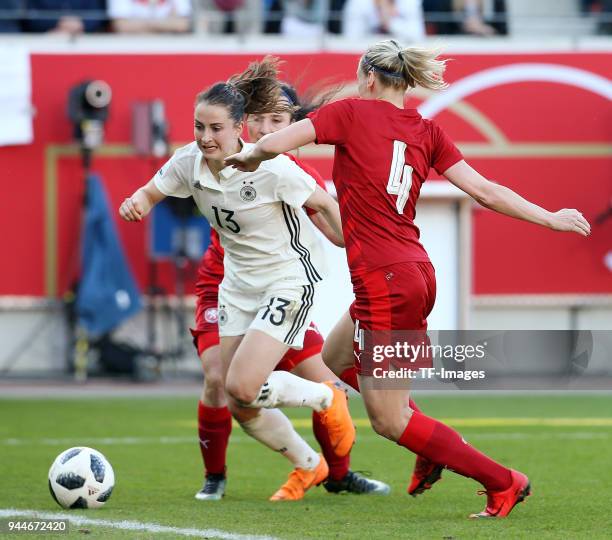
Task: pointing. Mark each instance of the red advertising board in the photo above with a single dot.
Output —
(538, 123)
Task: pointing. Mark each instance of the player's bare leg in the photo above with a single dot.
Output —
(391, 416)
(341, 478)
(315, 370)
(252, 383)
(337, 350)
(214, 425)
(338, 354)
(251, 361)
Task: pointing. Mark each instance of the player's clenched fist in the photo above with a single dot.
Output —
(136, 207)
(570, 220)
(131, 210)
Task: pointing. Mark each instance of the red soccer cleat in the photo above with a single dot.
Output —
(501, 503)
(425, 474)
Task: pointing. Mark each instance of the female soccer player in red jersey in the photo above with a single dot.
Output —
(273, 264)
(383, 154)
(214, 418)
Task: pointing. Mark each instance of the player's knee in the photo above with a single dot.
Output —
(214, 390)
(241, 391)
(213, 382)
(240, 413)
(384, 426)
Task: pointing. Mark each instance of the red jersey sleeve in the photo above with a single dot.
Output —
(445, 154)
(312, 172)
(333, 121)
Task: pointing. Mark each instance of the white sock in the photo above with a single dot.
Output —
(273, 429)
(282, 389)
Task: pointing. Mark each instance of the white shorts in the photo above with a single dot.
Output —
(283, 312)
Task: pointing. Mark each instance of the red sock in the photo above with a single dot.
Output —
(338, 466)
(349, 376)
(214, 428)
(439, 443)
(421, 461)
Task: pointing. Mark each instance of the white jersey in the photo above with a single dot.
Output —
(266, 235)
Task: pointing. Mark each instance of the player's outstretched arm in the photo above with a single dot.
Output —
(323, 202)
(505, 201)
(273, 144)
(136, 207)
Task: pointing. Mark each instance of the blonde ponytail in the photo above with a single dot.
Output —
(405, 66)
(423, 67)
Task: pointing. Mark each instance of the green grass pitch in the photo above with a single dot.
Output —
(563, 442)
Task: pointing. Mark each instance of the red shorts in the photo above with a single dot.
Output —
(206, 333)
(396, 298)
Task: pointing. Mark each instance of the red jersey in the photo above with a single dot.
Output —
(383, 155)
(210, 270)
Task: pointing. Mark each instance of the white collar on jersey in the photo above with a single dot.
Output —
(203, 176)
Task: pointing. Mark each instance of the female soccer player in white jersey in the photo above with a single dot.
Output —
(214, 418)
(272, 266)
(384, 152)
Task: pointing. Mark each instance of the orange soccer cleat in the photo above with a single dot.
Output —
(300, 481)
(425, 474)
(501, 503)
(338, 422)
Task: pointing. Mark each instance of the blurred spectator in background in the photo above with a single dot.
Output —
(229, 8)
(334, 23)
(9, 16)
(590, 6)
(463, 17)
(273, 15)
(601, 9)
(229, 16)
(65, 16)
(472, 21)
(605, 24)
(303, 18)
(400, 18)
(150, 16)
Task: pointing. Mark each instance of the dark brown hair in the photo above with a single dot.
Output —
(254, 91)
(310, 101)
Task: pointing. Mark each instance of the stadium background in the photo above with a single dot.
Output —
(545, 135)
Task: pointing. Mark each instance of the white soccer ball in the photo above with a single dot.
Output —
(81, 477)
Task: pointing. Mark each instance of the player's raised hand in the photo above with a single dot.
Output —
(570, 220)
(244, 161)
(130, 210)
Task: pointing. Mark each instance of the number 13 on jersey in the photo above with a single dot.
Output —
(400, 176)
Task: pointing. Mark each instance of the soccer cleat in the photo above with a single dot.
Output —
(213, 488)
(501, 503)
(337, 420)
(354, 482)
(425, 474)
(300, 481)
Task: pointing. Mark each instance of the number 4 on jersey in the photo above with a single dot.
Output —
(400, 176)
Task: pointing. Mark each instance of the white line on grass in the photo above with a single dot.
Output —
(128, 441)
(132, 525)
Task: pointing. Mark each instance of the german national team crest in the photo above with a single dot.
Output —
(211, 315)
(248, 193)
